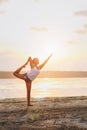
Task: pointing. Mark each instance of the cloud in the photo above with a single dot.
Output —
(36, 1)
(3, 1)
(85, 26)
(6, 53)
(71, 42)
(84, 29)
(2, 11)
(81, 13)
(42, 29)
(81, 31)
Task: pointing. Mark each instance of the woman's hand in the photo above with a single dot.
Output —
(29, 59)
(42, 65)
(49, 56)
(27, 62)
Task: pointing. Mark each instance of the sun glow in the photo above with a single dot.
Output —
(59, 51)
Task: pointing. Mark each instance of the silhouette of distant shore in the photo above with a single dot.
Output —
(50, 74)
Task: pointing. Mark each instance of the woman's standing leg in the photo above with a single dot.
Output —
(28, 87)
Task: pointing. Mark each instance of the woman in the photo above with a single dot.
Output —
(30, 76)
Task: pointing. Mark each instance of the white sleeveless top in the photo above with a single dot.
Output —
(33, 73)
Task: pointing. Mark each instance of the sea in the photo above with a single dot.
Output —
(44, 87)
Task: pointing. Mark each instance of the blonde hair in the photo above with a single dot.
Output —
(35, 59)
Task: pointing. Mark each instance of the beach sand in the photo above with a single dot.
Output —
(59, 113)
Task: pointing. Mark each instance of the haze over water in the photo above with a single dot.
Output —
(44, 87)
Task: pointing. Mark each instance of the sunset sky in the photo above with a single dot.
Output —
(37, 28)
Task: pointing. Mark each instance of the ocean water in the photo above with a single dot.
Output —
(44, 87)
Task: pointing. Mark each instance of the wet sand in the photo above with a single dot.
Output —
(60, 113)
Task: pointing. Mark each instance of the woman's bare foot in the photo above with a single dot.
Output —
(30, 105)
(26, 62)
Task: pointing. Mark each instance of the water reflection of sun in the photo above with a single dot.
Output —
(42, 89)
(44, 94)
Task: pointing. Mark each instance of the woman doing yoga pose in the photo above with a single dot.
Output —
(30, 76)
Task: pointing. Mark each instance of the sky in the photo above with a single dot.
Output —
(37, 28)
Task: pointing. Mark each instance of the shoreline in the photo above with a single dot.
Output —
(49, 113)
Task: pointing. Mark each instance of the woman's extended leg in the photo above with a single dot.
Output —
(28, 87)
(17, 72)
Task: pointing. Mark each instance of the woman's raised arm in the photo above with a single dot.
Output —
(43, 64)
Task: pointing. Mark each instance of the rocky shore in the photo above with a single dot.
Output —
(60, 113)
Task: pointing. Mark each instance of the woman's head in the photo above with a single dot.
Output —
(36, 61)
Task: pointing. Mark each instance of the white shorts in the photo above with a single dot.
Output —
(26, 78)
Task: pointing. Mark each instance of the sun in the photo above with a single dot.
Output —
(47, 50)
(59, 51)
